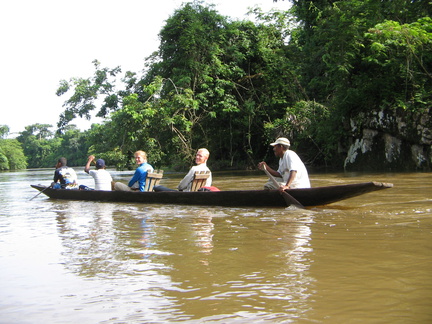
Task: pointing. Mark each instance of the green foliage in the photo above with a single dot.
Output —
(4, 162)
(127, 131)
(43, 148)
(86, 91)
(405, 52)
(308, 123)
(4, 131)
(11, 155)
(211, 81)
(36, 141)
(334, 42)
(74, 146)
(233, 86)
(231, 72)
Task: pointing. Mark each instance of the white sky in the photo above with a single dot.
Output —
(45, 41)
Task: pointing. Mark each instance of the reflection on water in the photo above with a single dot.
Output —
(366, 259)
(213, 262)
(88, 238)
(234, 269)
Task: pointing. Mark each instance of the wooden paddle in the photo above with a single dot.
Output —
(40, 193)
(290, 200)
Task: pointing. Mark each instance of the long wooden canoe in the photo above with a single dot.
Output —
(231, 198)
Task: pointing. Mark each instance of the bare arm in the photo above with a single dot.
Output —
(89, 161)
(292, 176)
(274, 173)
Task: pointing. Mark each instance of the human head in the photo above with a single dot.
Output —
(62, 161)
(140, 157)
(281, 145)
(202, 156)
(100, 164)
(282, 141)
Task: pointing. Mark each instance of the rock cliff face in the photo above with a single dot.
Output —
(390, 140)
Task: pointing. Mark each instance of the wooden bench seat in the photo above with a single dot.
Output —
(199, 180)
(153, 179)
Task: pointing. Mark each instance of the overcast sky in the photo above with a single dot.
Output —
(45, 41)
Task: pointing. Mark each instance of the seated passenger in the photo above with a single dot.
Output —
(64, 176)
(185, 184)
(138, 180)
(291, 173)
(101, 177)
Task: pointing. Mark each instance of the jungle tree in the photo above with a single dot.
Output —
(11, 152)
(213, 82)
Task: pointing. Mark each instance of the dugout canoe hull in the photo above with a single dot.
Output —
(231, 198)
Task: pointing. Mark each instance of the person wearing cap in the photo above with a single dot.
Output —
(292, 172)
(138, 180)
(101, 176)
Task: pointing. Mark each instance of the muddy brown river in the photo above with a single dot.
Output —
(363, 260)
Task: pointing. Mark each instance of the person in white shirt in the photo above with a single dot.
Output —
(185, 184)
(292, 172)
(101, 176)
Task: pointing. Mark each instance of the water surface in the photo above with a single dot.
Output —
(362, 260)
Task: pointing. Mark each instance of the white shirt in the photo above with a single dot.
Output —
(292, 162)
(186, 183)
(102, 179)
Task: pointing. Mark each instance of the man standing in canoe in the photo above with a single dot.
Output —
(291, 173)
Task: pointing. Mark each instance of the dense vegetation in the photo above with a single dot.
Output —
(233, 86)
(11, 153)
